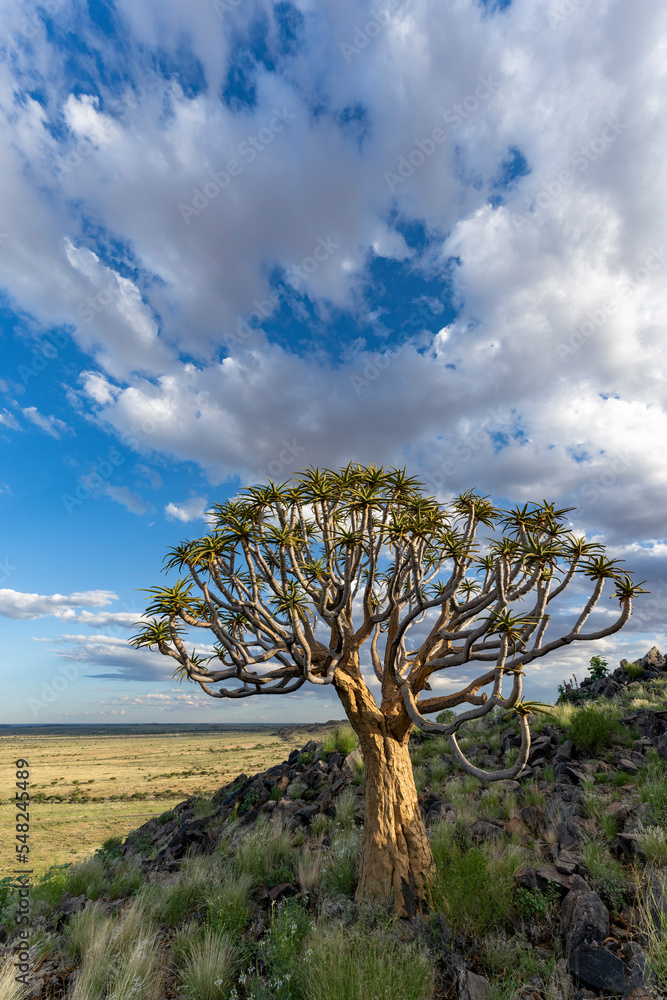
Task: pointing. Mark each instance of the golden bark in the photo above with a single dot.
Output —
(396, 855)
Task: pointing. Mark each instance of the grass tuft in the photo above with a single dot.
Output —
(341, 740)
(209, 967)
(354, 966)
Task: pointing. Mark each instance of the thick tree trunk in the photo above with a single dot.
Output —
(396, 856)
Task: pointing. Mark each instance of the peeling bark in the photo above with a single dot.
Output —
(396, 852)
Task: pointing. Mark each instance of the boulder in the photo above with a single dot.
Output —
(482, 830)
(473, 987)
(532, 817)
(584, 920)
(599, 968)
(349, 767)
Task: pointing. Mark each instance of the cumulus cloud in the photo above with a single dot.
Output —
(548, 381)
(14, 604)
(190, 510)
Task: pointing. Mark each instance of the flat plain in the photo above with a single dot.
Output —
(88, 783)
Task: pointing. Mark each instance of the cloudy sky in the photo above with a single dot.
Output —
(241, 237)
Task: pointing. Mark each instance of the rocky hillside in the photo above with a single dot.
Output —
(548, 888)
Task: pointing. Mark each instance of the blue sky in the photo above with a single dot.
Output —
(241, 237)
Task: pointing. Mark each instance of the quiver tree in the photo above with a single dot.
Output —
(293, 580)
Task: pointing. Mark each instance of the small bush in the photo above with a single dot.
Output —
(203, 808)
(209, 967)
(88, 879)
(346, 807)
(532, 904)
(265, 855)
(85, 929)
(127, 878)
(598, 668)
(319, 825)
(475, 892)
(653, 787)
(653, 844)
(48, 892)
(634, 670)
(607, 872)
(342, 740)
(358, 966)
(444, 718)
(594, 729)
(419, 774)
(339, 871)
(229, 907)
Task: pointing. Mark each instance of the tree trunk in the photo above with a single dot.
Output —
(396, 856)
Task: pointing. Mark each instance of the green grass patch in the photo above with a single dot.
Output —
(594, 729)
(366, 966)
(342, 739)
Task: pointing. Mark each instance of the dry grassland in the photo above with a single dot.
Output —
(88, 783)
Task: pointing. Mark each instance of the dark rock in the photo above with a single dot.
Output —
(570, 833)
(527, 878)
(307, 812)
(473, 987)
(532, 817)
(640, 983)
(68, 906)
(550, 875)
(482, 830)
(599, 968)
(584, 919)
(564, 751)
(569, 773)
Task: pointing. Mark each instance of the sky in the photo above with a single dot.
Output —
(242, 237)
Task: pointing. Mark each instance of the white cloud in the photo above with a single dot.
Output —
(14, 604)
(123, 495)
(8, 419)
(190, 510)
(49, 424)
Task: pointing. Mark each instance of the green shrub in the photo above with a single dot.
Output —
(342, 740)
(204, 807)
(229, 908)
(594, 729)
(444, 718)
(48, 891)
(276, 794)
(598, 668)
(90, 879)
(535, 905)
(634, 670)
(607, 872)
(652, 842)
(653, 787)
(475, 895)
(364, 966)
(127, 879)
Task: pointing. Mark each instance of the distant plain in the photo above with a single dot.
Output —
(88, 783)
